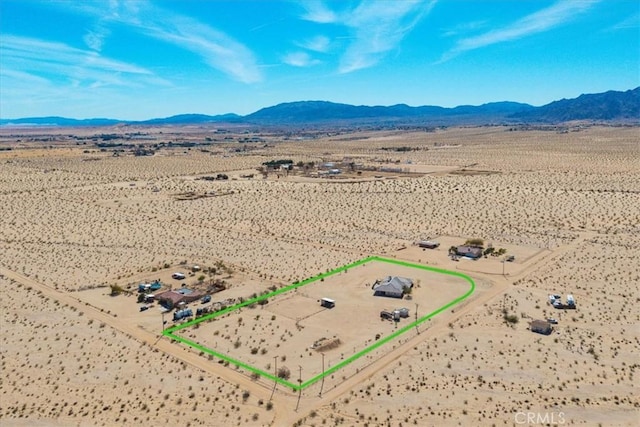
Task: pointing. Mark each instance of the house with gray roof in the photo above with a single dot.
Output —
(392, 286)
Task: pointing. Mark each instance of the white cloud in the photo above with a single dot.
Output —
(543, 20)
(631, 22)
(316, 44)
(376, 28)
(94, 39)
(216, 49)
(33, 82)
(464, 28)
(316, 11)
(299, 59)
(26, 54)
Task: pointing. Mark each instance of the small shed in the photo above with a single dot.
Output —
(428, 244)
(327, 303)
(541, 327)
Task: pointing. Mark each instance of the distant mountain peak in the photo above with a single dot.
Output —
(607, 106)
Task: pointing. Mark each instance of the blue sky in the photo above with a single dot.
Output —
(144, 58)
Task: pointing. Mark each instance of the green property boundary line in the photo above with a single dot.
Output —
(170, 332)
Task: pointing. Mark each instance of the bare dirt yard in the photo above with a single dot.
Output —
(287, 327)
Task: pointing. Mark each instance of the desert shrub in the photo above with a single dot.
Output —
(116, 290)
(477, 242)
(511, 318)
(284, 373)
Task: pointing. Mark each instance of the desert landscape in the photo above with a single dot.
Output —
(90, 213)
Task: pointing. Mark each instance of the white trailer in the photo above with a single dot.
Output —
(571, 302)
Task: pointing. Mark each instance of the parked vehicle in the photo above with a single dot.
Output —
(144, 308)
(571, 302)
(205, 299)
(182, 314)
(178, 276)
(203, 310)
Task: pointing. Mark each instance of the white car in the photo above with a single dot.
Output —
(178, 276)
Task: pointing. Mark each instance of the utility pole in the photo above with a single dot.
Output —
(503, 263)
(275, 380)
(162, 312)
(322, 383)
(417, 330)
(299, 388)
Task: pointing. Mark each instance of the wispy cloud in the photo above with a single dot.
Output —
(464, 28)
(632, 21)
(30, 78)
(316, 44)
(299, 59)
(214, 47)
(217, 49)
(316, 11)
(95, 37)
(376, 27)
(26, 54)
(543, 20)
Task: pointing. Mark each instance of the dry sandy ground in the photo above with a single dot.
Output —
(566, 203)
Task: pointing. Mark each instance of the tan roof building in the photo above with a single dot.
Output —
(171, 299)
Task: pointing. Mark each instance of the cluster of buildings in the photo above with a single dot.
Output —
(545, 327)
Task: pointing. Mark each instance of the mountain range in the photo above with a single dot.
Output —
(611, 106)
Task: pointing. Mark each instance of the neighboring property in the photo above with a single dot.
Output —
(469, 251)
(172, 299)
(428, 244)
(541, 327)
(392, 286)
(154, 286)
